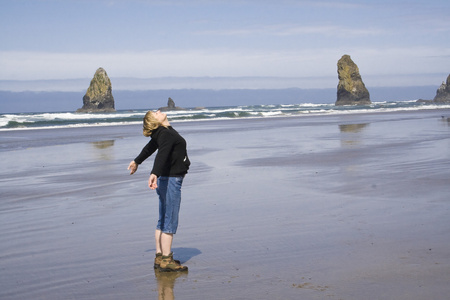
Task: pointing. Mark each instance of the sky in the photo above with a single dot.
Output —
(394, 43)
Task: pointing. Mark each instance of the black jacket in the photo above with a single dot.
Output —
(172, 158)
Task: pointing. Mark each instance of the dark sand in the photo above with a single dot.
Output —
(316, 207)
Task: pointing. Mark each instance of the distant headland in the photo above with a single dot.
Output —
(443, 92)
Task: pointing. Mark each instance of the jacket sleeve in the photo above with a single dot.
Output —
(165, 145)
(148, 150)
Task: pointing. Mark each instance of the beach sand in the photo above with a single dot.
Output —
(308, 207)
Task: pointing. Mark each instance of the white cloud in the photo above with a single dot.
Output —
(223, 63)
(43, 65)
(295, 30)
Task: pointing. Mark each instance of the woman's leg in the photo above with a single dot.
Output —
(169, 191)
(161, 191)
(170, 224)
(166, 243)
(158, 241)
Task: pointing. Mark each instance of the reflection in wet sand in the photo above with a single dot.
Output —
(351, 139)
(103, 144)
(166, 283)
(104, 148)
(352, 127)
(445, 120)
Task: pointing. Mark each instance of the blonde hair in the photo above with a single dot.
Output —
(150, 123)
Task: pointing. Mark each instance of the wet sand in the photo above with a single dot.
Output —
(314, 207)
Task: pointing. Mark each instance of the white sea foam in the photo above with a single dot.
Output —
(78, 125)
(70, 119)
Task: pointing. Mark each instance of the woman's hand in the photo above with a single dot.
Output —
(152, 181)
(132, 167)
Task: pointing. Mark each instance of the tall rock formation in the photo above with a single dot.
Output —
(170, 106)
(351, 89)
(98, 96)
(443, 92)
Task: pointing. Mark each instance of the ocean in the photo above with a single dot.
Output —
(48, 120)
(356, 197)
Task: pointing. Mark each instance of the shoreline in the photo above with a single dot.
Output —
(300, 115)
(211, 114)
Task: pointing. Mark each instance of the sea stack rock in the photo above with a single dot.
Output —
(170, 106)
(443, 92)
(98, 96)
(351, 89)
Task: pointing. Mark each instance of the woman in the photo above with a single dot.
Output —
(169, 168)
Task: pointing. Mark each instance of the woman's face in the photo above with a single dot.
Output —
(161, 117)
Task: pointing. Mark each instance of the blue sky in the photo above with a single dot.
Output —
(393, 42)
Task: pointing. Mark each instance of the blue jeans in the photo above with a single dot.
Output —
(169, 192)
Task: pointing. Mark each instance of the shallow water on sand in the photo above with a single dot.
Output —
(335, 207)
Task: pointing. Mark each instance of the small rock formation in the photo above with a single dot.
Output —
(98, 96)
(424, 101)
(351, 89)
(170, 106)
(443, 92)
